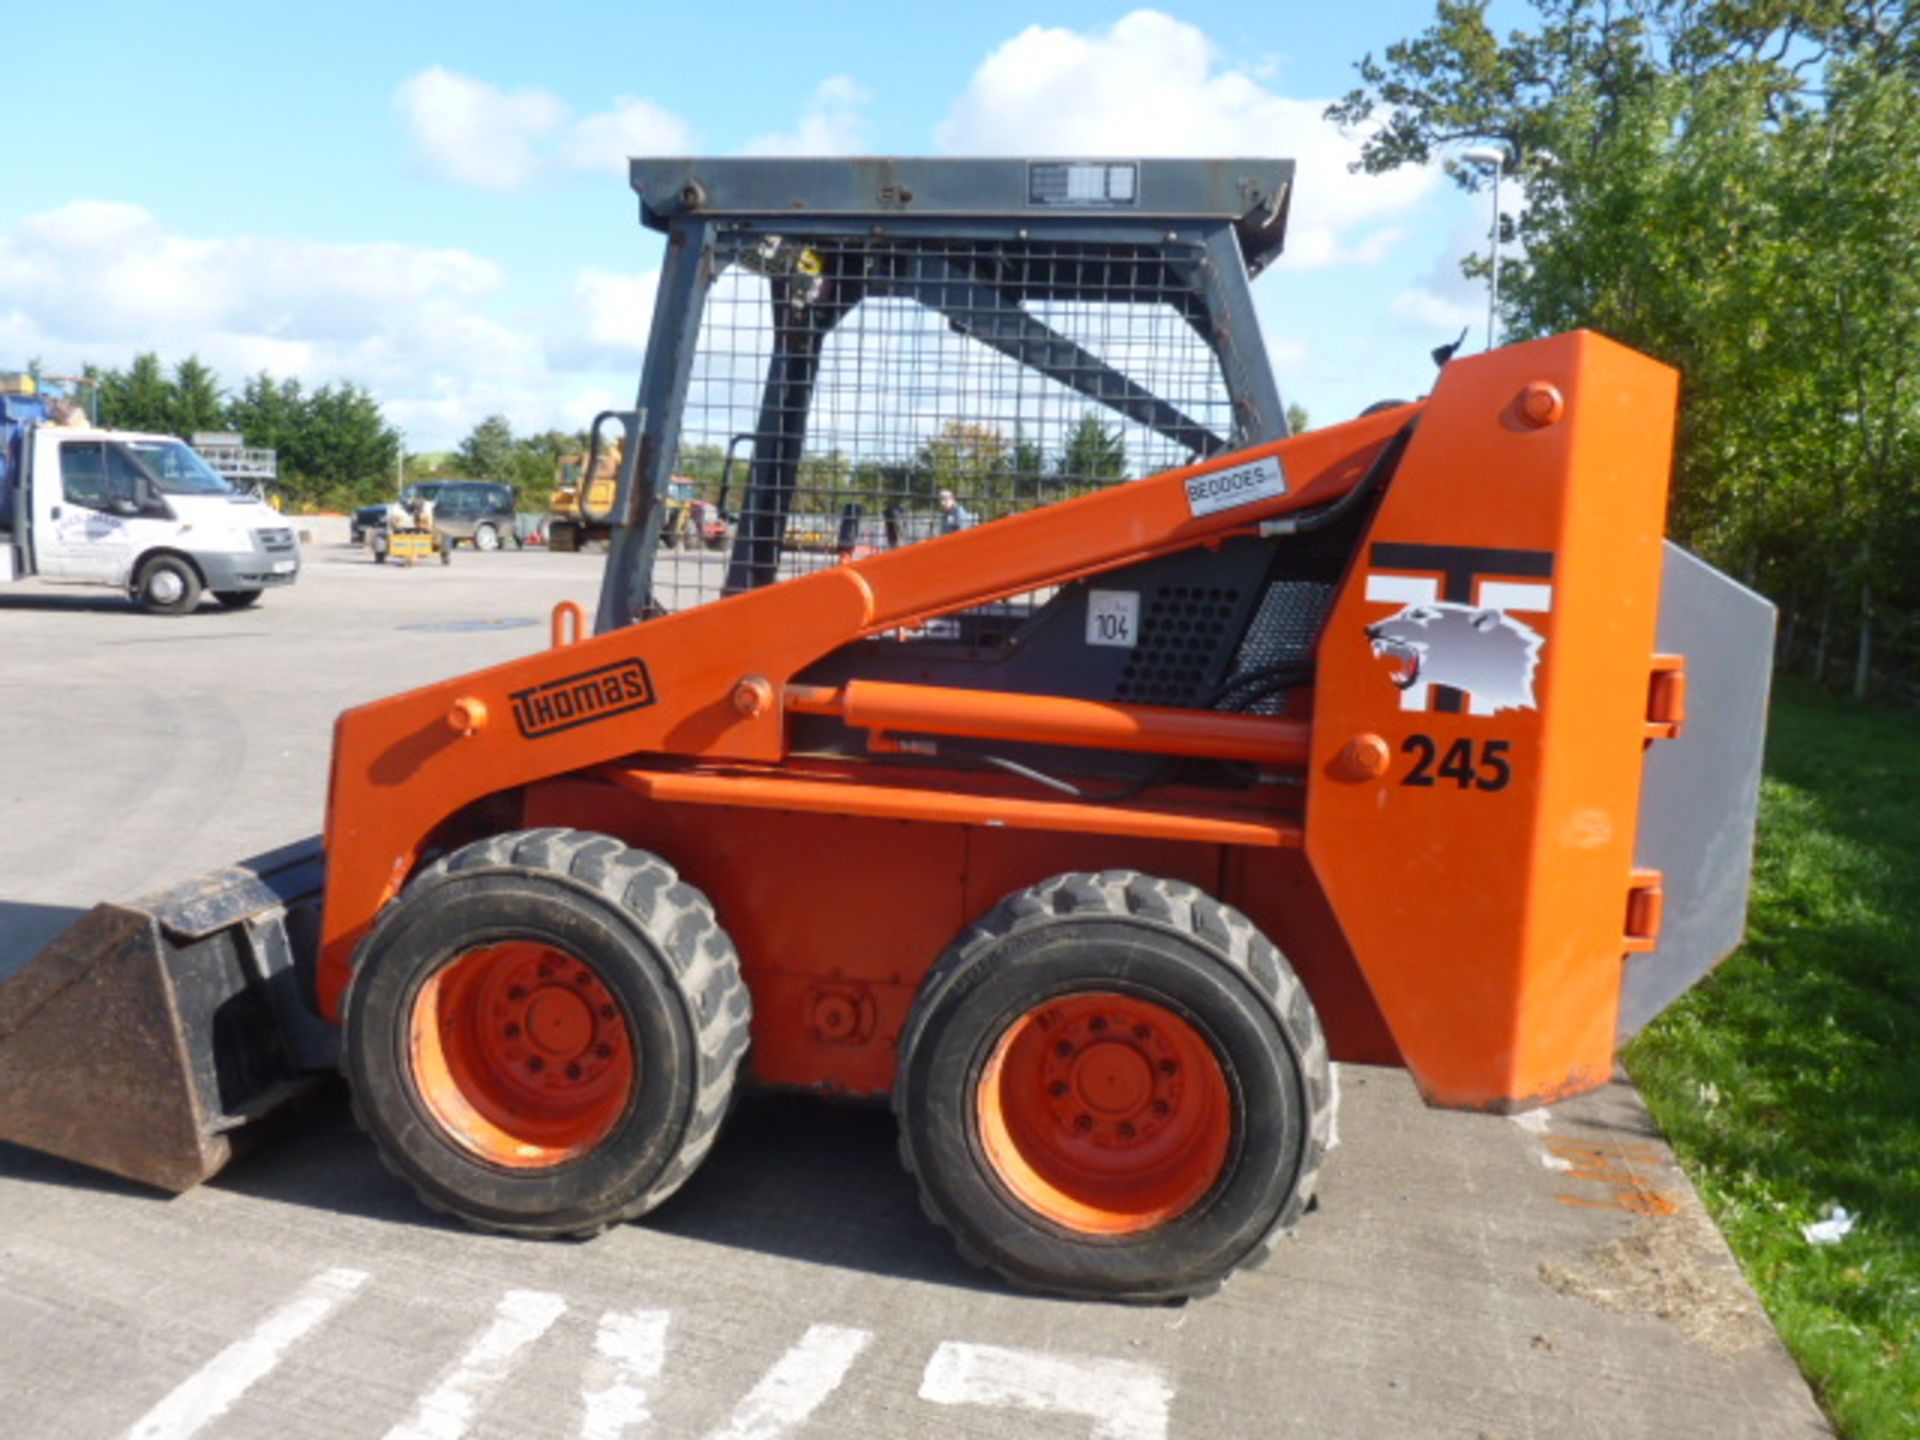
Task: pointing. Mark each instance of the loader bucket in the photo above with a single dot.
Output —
(145, 1037)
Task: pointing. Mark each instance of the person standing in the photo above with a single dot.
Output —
(953, 515)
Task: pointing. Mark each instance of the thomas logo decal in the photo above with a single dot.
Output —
(581, 699)
(1454, 644)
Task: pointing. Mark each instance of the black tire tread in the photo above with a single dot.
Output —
(680, 922)
(1184, 909)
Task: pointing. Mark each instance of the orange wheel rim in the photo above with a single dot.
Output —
(522, 1054)
(1105, 1113)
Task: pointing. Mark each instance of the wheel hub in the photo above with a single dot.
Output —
(1105, 1112)
(523, 1053)
(1108, 1083)
(554, 1026)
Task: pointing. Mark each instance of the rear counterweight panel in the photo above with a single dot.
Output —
(1701, 792)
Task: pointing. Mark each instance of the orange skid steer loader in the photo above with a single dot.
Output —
(1146, 760)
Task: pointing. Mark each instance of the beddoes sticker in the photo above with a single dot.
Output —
(1236, 486)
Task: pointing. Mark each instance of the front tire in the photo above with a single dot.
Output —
(485, 537)
(167, 585)
(377, 542)
(1114, 1087)
(542, 1033)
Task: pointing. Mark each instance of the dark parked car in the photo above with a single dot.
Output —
(479, 512)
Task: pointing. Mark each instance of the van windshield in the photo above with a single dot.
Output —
(177, 470)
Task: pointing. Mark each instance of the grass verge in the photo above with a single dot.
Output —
(1790, 1081)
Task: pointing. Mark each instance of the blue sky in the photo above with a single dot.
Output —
(429, 199)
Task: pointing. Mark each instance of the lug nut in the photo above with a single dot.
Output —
(573, 1071)
(1097, 1024)
(536, 1064)
(1162, 1109)
(1141, 1032)
(1057, 1089)
(1063, 1049)
(512, 1032)
(1083, 1122)
(516, 993)
(606, 1012)
(585, 977)
(603, 1051)
(1169, 1067)
(1126, 1130)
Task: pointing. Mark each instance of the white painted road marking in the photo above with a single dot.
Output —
(793, 1389)
(445, 1412)
(629, 1352)
(210, 1392)
(1125, 1401)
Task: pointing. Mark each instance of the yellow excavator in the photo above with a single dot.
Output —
(688, 520)
(567, 526)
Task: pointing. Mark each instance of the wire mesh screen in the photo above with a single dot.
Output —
(861, 393)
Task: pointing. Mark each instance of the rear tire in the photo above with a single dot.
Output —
(485, 537)
(377, 542)
(1114, 1087)
(167, 585)
(542, 1033)
(236, 599)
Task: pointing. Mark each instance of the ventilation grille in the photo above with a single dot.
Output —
(1182, 635)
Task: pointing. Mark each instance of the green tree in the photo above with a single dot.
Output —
(1729, 188)
(972, 460)
(487, 452)
(197, 402)
(139, 398)
(349, 453)
(1297, 421)
(1095, 455)
(269, 413)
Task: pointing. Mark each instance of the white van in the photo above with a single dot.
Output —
(141, 513)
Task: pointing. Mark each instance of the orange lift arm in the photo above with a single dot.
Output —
(703, 684)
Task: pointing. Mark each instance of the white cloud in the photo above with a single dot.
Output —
(612, 315)
(632, 127)
(474, 133)
(831, 123)
(100, 281)
(1442, 301)
(1154, 85)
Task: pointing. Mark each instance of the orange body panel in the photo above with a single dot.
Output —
(1471, 926)
(837, 917)
(687, 685)
(1488, 906)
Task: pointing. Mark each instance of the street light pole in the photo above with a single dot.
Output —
(1496, 156)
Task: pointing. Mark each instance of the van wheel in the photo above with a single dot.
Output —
(236, 599)
(167, 585)
(377, 542)
(485, 537)
(1114, 1087)
(542, 1032)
